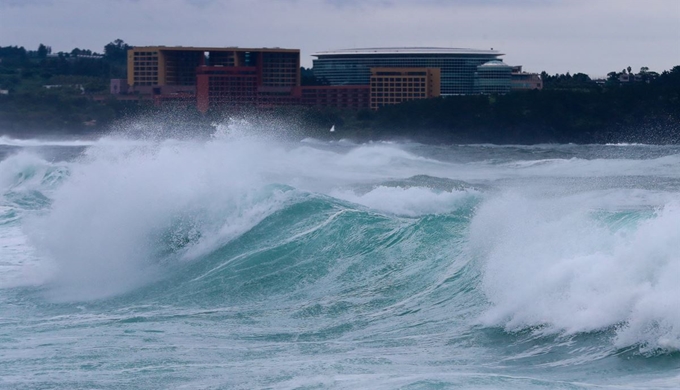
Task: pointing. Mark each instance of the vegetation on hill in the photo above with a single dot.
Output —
(48, 92)
(568, 109)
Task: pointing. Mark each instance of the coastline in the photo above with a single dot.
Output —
(659, 131)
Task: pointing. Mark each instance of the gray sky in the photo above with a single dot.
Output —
(589, 36)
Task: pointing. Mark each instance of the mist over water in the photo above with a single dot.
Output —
(250, 261)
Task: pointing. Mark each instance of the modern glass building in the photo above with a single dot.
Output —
(353, 66)
(493, 77)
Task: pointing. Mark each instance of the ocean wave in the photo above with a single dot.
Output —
(249, 261)
(411, 201)
(663, 166)
(121, 207)
(555, 266)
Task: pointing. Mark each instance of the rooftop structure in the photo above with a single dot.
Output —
(353, 66)
(408, 50)
(525, 80)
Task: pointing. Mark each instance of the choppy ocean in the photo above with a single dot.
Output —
(247, 262)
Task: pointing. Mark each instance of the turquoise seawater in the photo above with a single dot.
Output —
(246, 262)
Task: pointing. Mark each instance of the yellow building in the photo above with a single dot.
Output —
(396, 85)
(176, 66)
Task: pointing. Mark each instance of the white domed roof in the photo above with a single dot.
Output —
(495, 63)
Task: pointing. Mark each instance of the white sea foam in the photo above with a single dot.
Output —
(665, 166)
(627, 144)
(564, 246)
(122, 196)
(547, 260)
(550, 263)
(411, 201)
(103, 221)
(20, 175)
(23, 171)
(4, 140)
(19, 265)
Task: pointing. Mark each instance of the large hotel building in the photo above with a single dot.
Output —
(354, 79)
(216, 76)
(160, 65)
(458, 67)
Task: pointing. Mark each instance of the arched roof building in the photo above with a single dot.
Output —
(353, 66)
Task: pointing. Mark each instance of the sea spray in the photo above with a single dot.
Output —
(102, 222)
(554, 266)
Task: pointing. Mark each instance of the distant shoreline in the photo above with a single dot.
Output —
(636, 113)
(191, 130)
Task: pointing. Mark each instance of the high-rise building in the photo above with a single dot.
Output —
(216, 76)
(176, 66)
(458, 67)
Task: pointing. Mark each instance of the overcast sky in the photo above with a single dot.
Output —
(589, 36)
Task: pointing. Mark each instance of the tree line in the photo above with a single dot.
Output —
(47, 91)
(568, 109)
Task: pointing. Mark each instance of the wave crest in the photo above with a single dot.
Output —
(556, 266)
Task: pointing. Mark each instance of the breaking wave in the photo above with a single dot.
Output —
(377, 246)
